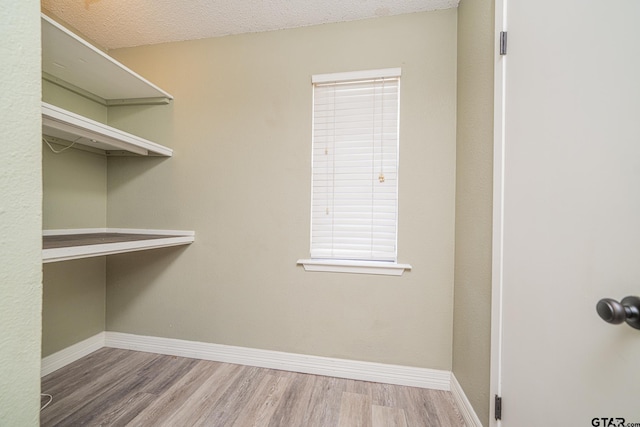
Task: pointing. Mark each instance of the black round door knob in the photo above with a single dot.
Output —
(627, 310)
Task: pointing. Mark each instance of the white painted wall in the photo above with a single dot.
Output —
(20, 213)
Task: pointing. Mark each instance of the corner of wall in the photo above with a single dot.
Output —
(474, 187)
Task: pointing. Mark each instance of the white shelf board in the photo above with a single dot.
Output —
(88, 248)
(69, 58)
(63, 124)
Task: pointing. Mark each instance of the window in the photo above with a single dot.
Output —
(354, 209)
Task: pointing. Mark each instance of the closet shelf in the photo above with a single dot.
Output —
(65, 125)
(65, 245)
(71, 62)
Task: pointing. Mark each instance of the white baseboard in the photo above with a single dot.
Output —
(341, 368)
(464, 406)
(71, 354)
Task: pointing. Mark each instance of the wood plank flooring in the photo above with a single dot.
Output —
(113, 387)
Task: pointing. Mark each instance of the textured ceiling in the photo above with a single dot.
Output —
(125, 23)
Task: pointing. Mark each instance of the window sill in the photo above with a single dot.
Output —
(358, 267)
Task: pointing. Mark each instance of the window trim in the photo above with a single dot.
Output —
(386, 268)
(384, 73)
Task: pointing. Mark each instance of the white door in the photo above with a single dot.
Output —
(570, 213)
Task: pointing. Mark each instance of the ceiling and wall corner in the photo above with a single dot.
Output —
(121, 23)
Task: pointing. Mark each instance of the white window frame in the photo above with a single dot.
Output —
(388, 264)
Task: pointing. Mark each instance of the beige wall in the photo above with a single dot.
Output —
(241, 129)
(75, 181)
(75, 196)
(73, 304)
(472, 308)
(20, 214)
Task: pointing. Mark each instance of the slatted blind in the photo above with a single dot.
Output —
(355, 165)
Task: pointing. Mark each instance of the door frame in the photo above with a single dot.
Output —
(500, 64)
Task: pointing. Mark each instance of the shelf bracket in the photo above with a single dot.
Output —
(73, 88)
(161, 100)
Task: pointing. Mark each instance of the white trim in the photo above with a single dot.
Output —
(385, 73)
(464, 406)
(358, 267)
(316, 365)
(500, 70)
(174, 238)
(72, 353)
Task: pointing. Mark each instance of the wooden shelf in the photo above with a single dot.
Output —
(65, 125)
(65, 245)
(71, 62)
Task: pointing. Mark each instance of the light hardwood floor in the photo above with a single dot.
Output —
(113, 387)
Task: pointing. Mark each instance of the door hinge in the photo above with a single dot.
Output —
(503, 42)
(498, 407)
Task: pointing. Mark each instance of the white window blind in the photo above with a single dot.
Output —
(355, 165)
